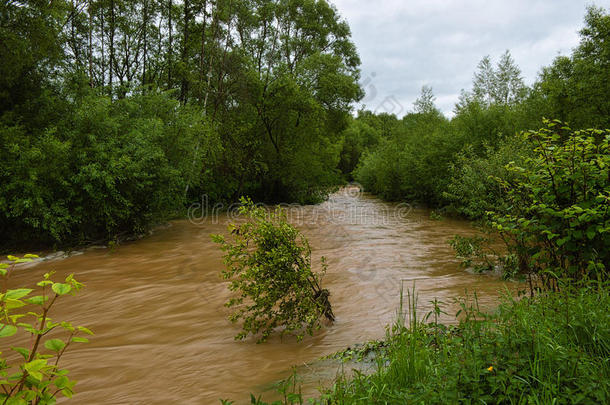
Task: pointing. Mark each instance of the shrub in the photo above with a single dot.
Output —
(269, 266)
(558, 221)
(473, 190)
(107, 168)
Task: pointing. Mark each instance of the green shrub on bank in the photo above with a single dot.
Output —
(558, 216)
(472, 190)
(107, 168)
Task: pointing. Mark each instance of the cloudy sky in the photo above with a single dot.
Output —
(405, 44)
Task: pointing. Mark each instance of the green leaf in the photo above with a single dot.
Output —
(7, 330)
(61, 289)
(17, 294)
(22, 351)
(61, 382)
(55, 345)
(36, 374)
(35, 365)
(67, 326)
(12, 304)
(79, 339)
(85, 330)
(34, 368)
(37, 300)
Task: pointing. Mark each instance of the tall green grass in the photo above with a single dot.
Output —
(550, 349)
(553, 348)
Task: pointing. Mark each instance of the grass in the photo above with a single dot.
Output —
(550, 349)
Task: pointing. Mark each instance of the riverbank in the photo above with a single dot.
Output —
(553, 348)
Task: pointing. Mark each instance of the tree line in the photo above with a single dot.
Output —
(449, 164)
(114, 114)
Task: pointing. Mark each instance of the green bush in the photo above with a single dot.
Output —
(269, 267)
(472, 190)
(558, 217)
(109, 168)
(414, 163)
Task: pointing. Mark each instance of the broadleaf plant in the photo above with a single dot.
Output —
(35, 376)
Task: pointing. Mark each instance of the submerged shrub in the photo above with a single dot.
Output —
(269, 267)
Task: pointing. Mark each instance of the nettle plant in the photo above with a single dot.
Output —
(268, 263)
(558, 221)
(34, 377)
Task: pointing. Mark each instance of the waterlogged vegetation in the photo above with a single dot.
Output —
(268, 264)
(115, 115)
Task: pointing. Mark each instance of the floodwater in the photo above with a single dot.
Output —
(161, 330)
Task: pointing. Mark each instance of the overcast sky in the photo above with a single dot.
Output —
(405, 44)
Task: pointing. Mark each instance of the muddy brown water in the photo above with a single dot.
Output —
(161, 330)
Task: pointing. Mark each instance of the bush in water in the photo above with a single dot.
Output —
(269, 266)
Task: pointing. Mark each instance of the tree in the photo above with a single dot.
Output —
(502, 85)
(31, 49)
(425, 102)
(484, 83)
(575, 89)
(509, 86)
(269, 266)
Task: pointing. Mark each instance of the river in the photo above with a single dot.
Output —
(161, 330)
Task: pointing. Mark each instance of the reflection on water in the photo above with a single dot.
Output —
(156, 305)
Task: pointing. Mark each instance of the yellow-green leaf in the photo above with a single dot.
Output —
(61, 289)
(55, 345)
(7, 330)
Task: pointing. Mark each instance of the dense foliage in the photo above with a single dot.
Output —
(269, 268)
(107, 168)
(114, 114)
(448, 163)
(558, 223)
(35, 376)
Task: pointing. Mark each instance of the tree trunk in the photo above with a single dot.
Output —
(185, 38)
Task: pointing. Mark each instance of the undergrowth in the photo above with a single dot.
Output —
(552, 348)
